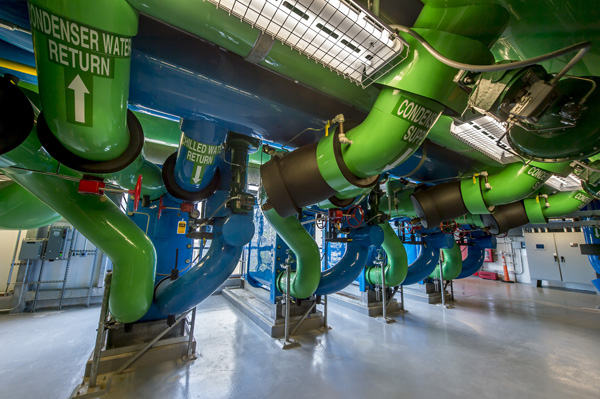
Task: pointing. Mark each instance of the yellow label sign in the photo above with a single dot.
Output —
(181, 227)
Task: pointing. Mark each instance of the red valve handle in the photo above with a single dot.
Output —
(161, 207)
(352, 215)
(137, 193)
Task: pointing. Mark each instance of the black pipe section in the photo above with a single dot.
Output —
(168, 176)
(16, 115)
(506, 217)
(438, 204)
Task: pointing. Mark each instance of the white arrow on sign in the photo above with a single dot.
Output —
(80, 91)
(196, 177)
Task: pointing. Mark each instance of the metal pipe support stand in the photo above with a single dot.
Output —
(384, 302)
(447, 306)
(401, 308)
(324, 301)
(286, 342)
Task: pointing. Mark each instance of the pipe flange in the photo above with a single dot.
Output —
(341, 203)
(67, 158)
(16, 116)
(168, 176)
(366, 182)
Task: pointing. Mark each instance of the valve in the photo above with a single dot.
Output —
(355, 217)
(161, 207)
(137, 193)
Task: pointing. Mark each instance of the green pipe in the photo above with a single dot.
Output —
(83, 52)
(564, 203)
(401, 204)
(203, 19)
(452, 264)
(152, 183)
(397, 268)
(401, 122)
(130, 250)
(305, 280)
(19, 210)
(515, 182)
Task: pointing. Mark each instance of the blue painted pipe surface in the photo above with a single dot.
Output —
(424, 265)
(472, 262)
(352, 263)
(199, 153)
(441, 240)
(230, 234)
(592, 236)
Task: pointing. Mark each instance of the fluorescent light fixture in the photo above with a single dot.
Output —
(483, 134)
(569, 183)
(339, 34)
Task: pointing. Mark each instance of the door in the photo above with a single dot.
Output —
(575, 267)
(542, 256)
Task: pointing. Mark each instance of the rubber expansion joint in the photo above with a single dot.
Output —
(67, 158)
(16, 116)
(168, 176)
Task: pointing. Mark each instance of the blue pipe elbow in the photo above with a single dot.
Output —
(230, 234)
(352, 263)
(473, 262)
(200, 153)
(424, 265)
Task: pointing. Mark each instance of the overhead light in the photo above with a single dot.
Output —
(569, 183)
(486, 135)
(339, 34)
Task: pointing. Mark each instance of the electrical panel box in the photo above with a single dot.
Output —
(31, 249)
(55, 246)
(557, 257)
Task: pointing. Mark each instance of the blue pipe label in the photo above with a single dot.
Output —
(202, 155)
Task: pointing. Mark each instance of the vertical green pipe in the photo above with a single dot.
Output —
(305, 280)
(83, 52)
(452, 264)
(19, 210)
(397, 268)
(130, 250)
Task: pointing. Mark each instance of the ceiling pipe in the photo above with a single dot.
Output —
(19, 210)
(353, 262)
(480, 194)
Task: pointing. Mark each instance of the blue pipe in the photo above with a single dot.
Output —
(230, 234)
(352, 263)
(592, 236)
(472, 262)
(200, 153)
(424, 265)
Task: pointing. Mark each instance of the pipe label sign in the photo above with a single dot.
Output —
(82, 52)
(200, 154)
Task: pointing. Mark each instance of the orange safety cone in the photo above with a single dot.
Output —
(506, 278)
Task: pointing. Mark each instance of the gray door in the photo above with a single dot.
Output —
(575, 267)
(542, 257)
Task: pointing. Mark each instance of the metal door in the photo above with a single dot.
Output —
(542, 257)
(575, 267)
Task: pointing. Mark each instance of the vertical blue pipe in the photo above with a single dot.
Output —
(352, 263)
(230, 234)
(424, 265)
(592, 236)
(200, 152)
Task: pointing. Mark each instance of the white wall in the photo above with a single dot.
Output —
(8, 240)
(516, 260)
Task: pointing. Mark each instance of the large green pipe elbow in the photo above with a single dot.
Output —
(397, 268)
(130, 250)
(305, 280)
(564, 203)
(152, 183)
(83, 52)
(20, 210)
(452, 264)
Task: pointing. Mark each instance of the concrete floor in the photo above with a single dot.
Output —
(501, 340)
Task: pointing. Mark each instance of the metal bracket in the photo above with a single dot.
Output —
(261, 48)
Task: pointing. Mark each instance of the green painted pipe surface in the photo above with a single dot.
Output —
(397, 268)
(564, 203)
(401, 204)
(152, 183)
(481, 22)
(393, 130)
(83, 52)
(305, 280)
(203, 19)
(130, 250)
(452, 264)
(19, 210)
